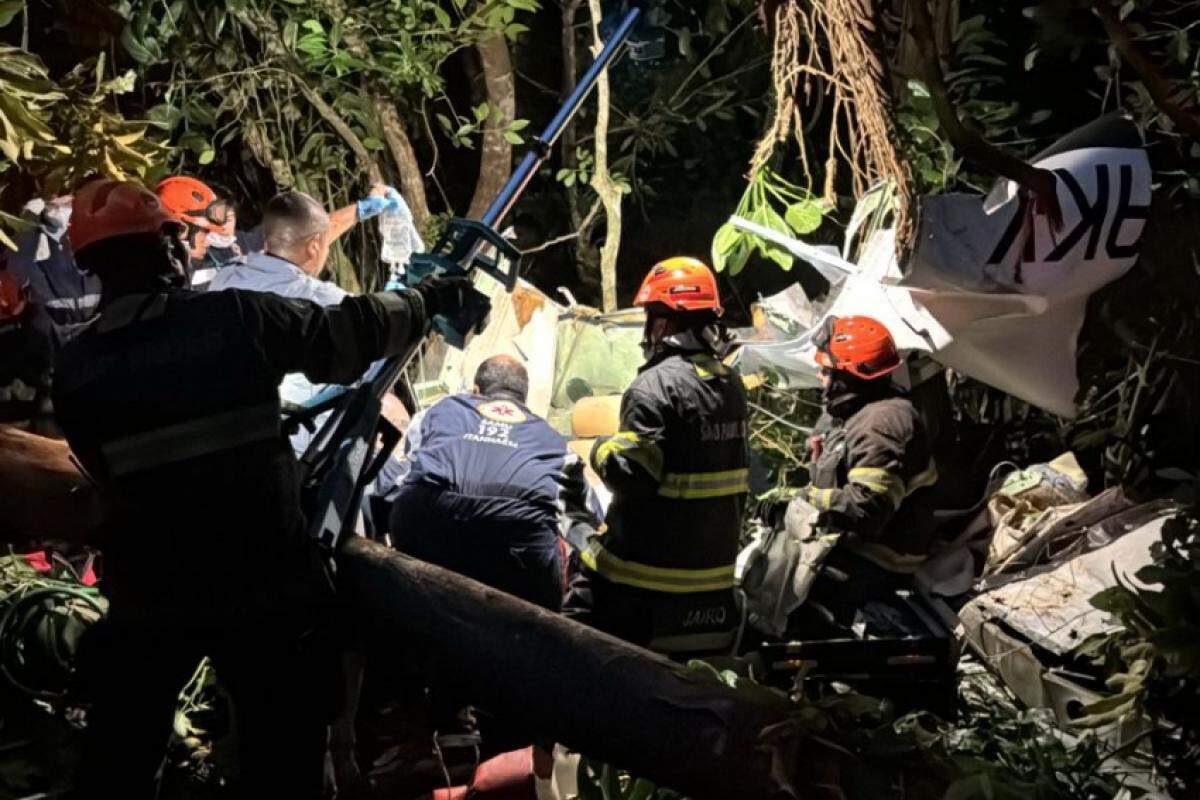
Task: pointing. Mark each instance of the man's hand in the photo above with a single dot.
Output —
(381, 198)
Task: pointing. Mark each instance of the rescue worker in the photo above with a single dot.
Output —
(195, 205)
(63, 299)
(211, 222)
(662, 574)
(294, 258)
(169, 400)
(872, 461)
(490, 488)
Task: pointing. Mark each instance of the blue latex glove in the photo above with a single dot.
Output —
(375, 205)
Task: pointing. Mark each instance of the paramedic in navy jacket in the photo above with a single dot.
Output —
(491, 488)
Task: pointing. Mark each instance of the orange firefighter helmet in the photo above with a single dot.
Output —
(862, 346)
(681, 284)
(105, 208)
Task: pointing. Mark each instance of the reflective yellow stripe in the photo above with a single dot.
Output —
(702, 485)
(880, 481)
(820, 499)
(883, 481)
(708, 367)
(658, 579)
(629, 445)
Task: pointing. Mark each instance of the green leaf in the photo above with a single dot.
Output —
(737, 258)
(724, 241)
(136, 49)
(206, 157)
(290, 31)
(481, 112)
(518, 125)
(513, 138)
(9, 10)
(165, 116)
(804, 217)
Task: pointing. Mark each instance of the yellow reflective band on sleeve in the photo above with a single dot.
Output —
(629, 445)
(709, 367)
(703, 485)
(820, 499)
(879, 481)
(658, 579)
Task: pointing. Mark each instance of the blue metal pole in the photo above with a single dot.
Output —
(545, 142)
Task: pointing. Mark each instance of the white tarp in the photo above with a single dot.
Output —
(991, 290)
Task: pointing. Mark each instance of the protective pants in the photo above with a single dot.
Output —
(282, 675)
(664, 622)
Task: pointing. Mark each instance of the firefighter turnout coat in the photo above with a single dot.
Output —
(871, 470)
(678, 473)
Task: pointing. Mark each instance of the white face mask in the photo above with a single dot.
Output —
(221, 241)
(56, 218)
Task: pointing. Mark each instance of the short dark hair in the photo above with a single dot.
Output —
(290, 218)
(503, 375)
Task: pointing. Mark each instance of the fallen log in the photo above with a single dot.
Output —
(42, 494)
(589, 691)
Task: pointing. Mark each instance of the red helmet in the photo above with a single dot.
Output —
(12, 297)
(106, 208)
(861, 346)
(682, 284)
(192, 201)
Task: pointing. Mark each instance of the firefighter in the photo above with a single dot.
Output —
(490, 488)
(196, 206)
(662, 573)
(169, 400)
(872, 464)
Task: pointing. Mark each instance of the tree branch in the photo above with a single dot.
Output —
(963, 136)
(271, 37)
(602, 182)
(1159, 87)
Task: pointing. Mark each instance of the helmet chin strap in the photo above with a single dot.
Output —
(180, 258)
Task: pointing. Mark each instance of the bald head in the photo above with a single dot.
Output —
(502, 375)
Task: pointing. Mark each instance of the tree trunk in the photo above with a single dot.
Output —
(563, 681)
(42, 494)
(495, 157)
(587, 690)
(412, 181)
(602, 181)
